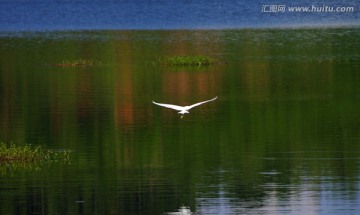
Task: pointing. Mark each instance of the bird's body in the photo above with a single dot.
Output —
(183, 109)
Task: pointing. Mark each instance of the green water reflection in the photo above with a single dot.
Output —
(282, 136)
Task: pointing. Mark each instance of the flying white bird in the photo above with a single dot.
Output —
(183, 109)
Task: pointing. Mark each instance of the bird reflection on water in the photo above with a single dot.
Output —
(183, 210)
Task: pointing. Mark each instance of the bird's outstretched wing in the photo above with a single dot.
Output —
(200, 103)
(175, 107)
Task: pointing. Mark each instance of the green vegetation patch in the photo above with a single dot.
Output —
(78, 63)
(198, 60)
(12, 153)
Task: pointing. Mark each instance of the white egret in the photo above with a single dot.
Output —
(183, 109)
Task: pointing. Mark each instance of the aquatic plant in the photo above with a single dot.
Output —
(77, 63)
(197, 60)
(29, 153)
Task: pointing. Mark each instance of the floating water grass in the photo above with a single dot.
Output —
(197, 60)
(78, 63)
(28, 153)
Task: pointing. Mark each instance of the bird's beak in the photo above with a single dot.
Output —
(182, 116)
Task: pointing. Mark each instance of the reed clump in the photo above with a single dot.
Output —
(197, 60)
(78, 63)
(28, 153)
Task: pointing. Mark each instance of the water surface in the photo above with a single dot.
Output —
(282, 138)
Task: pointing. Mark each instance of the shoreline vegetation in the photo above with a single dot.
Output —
(180, 61)
(11, 153)
(171, 61)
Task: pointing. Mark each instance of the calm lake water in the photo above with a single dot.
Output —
(283, 137)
